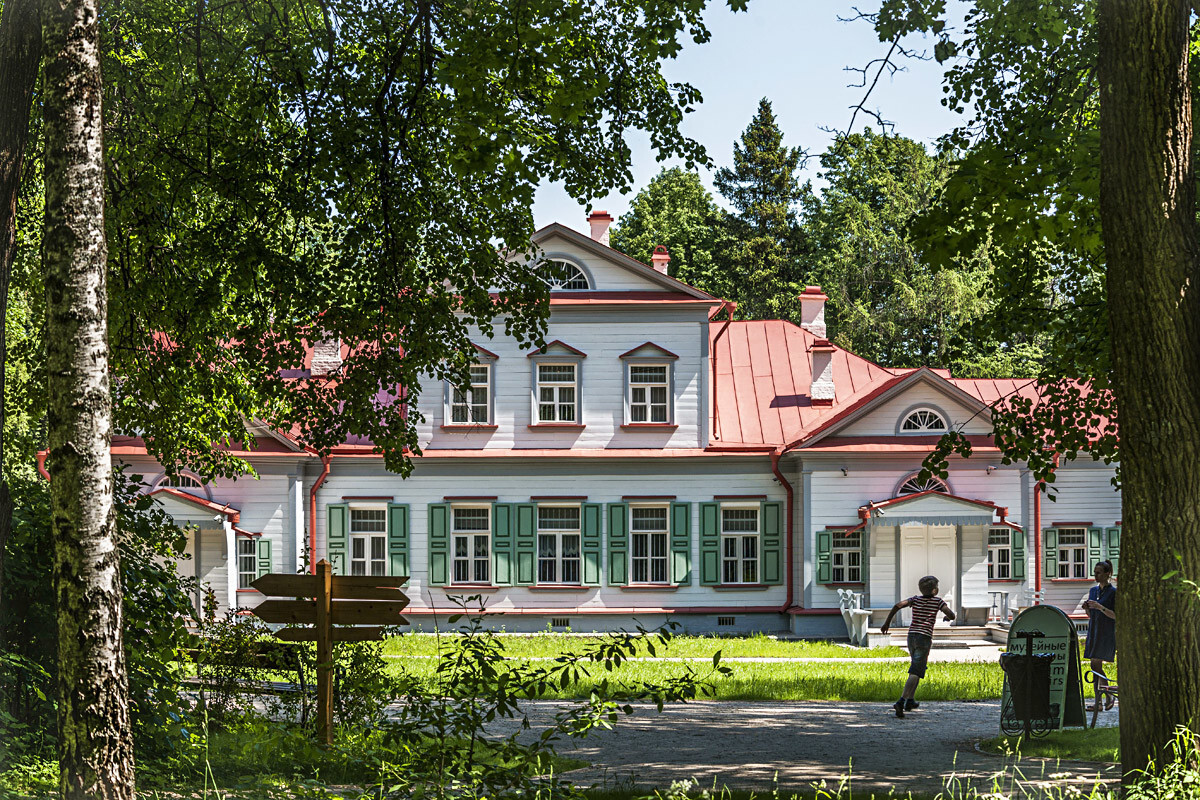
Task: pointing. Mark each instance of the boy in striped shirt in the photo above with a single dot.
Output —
(925, 608)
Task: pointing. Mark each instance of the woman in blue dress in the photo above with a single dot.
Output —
(1101, 644)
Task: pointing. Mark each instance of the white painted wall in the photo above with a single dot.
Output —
(601, 388)
(882, 421)
(601, 480)
(1084, 494)
(607, 276)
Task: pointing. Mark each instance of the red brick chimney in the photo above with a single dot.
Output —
(660, 259)
(599, 221)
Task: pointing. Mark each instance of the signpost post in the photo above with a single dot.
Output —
(374, 600)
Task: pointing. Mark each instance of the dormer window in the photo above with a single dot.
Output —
(923, 420)
(563, 275)
(472, 405)
(649, 386)
(557, 369)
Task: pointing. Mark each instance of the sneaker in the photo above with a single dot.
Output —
(910, 705)
(899, 706)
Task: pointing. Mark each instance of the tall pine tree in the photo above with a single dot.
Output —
(763, 188)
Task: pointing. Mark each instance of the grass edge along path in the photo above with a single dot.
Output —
(1101, 745)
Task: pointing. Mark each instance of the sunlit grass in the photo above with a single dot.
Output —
(1099, 744)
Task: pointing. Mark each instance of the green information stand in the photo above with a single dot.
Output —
(1058, 638)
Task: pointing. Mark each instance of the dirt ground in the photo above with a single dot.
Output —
(754, 745)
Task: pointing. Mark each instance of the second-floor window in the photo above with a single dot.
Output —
(471, 535)
(557, 392)
(1072, 553)
(649, 393)
(999, 554)
(247, 561)
(558, 544)
(471, 406)
(846, 558)
(648, 540)
(739, 545)
(368, 541)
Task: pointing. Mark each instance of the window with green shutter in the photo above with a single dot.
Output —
(681, 544)
(1050, 553)
(263, 547)
(618, 544)
(398, 540)
(525, 537)
(1019, 570)
(592, 543)
(503, 542)
(1114, 547)
(825, 556)
(1095, 549)
(439, 544)
(710, 544)
(772, 525)
(337, 535)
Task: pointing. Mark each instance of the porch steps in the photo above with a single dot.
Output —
(958, 637)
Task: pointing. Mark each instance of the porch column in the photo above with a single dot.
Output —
(230, 564)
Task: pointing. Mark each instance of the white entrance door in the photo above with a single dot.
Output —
(928, 550)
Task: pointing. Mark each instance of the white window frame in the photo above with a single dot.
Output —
(474, 566)
(631, 388)
(845, 557)
(558, 283)
(245, 556)
(644, 557)
(923, 428)
(1000, 555)
(747, 567)
(1075, 563)
(457, 398)
(368, 562)
(934, 483)
(557, 387)
(557, 559)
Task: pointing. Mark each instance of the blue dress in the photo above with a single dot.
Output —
(1102, 632)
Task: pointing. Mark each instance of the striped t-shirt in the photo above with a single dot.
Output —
(924, 613)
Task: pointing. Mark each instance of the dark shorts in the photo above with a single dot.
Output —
(919, 646)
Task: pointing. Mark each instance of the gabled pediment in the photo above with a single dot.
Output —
(649, 350)
(185, 507)
(932, 507)
(558, 348)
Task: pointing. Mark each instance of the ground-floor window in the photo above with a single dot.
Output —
(648, 545)
(558, 544)
(846, 557)
(739, 545)
(247, 561)
(999, 554)
(368, 541)
(471, 535)
(1072, 553)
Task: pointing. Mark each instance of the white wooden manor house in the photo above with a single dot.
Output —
(658, 460)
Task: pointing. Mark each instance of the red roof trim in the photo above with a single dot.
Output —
(556, 343)
(638, 497)
(630, 353)
(230, 513)
(1071, 525)
(468, 497)
(484, 351)
(552, 497)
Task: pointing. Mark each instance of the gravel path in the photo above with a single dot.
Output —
(749, 745)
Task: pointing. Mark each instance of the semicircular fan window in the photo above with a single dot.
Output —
(914, 485)
(922, 420)
(561, 275)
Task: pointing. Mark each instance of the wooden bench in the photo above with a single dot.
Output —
(266, 655)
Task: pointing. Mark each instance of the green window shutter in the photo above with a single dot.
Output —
(1018, 554)
(1050, 549)
(1114, 547)
(502, 543)
(264, 555)
(618, 544)
(398, 540)
(710, 544)
(526, 543)
(772, 543)
(337, 536)
(591, 545)
(439, 544)
(1095, 548)
(681, 543)
(824, 556)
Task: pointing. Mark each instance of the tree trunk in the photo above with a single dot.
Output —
(1148, 213)
(95, 741)
(20, 51)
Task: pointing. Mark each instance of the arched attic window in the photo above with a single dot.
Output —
(183, 482)
(913, 484)
(560, 275)
(923, 420)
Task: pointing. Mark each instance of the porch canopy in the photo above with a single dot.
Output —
(931, 508)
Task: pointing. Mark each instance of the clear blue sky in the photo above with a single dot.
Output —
(792, 52)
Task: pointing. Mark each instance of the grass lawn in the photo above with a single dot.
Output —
(1099, 744)
(548, 645)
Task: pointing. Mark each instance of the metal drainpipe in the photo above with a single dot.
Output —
(312, 516)
(41, 465)
(791, 557)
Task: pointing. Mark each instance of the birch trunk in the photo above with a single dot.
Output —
(1148, 212)
(95, 741)
(20, 51)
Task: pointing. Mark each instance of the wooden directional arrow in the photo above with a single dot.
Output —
(343, 612)
(346, 587)
(339, 634)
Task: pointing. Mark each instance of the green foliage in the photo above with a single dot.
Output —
(676, 211)
(300, 170)
(156, 603)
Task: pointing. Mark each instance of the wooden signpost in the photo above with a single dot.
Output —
(324, 600)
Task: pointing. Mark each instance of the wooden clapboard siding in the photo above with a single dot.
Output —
(881, 421)
(601, 388)
(606, 483)
(1085, 494)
